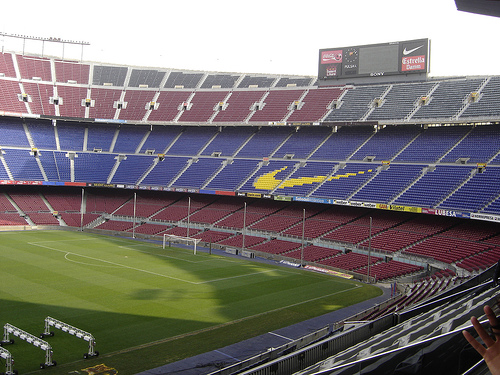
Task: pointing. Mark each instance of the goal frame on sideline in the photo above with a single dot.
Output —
(179, 239)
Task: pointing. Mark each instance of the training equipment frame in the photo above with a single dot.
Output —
(9, 361)
(51, 322)
(29, 338)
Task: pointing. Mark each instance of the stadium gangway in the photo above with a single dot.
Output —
(51, 322)
(5, 354)
(31, 339)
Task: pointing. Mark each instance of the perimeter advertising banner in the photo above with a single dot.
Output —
(374, 60)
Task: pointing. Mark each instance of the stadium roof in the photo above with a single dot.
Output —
(486, 7)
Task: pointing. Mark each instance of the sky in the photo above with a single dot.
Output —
(258, 36)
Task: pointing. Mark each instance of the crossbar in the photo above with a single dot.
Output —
(173, 238)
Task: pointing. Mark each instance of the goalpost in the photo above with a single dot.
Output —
(171, 238)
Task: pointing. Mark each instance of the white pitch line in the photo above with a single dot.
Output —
(86, 264)
(356, 286)
(227, 355)
(38, 243)
(300, 303)
(235, 277)
(66, 253)
(160, 255)
(59, 241)
(169, 339)
(281, 336)
(115, 264)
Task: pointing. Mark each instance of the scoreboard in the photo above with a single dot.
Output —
(407, 57)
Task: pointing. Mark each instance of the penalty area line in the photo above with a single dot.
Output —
(66, 256)
(114, 264)
(234, 277)
(130, 248)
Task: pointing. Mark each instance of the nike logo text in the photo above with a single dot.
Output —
(407, 52)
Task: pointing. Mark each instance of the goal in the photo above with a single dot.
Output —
(171, 238)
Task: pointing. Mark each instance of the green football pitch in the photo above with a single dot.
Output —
(147, 306)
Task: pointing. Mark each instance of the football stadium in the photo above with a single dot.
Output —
(168, 221)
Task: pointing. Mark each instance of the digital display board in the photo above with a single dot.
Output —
(411, 56)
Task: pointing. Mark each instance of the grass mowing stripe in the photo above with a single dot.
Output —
(114, 264)
(111, 263)
(136, 313)
(131, 248)
(67, 257)
(227, 323)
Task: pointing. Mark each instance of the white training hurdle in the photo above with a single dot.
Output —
(51, 322)
(9, 329)
(9, 361)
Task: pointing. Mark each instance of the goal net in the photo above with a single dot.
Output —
(169, 239)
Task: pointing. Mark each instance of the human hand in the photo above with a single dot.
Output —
(490, 353)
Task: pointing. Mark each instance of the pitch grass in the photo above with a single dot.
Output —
(147, 306)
